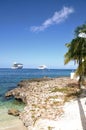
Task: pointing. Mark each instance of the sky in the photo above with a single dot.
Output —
(34, 32)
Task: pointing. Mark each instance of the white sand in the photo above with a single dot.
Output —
(9, 122)
(74, 118)
(12, 125)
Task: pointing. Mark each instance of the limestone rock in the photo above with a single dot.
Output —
(13, 112)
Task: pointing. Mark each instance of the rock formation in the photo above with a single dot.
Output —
(41, 97)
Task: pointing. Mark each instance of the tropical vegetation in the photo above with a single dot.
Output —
(77, 52)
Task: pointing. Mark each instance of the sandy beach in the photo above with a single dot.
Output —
(9, 122)
(12, 125)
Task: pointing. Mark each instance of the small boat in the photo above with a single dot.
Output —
(17, 66)
(42, 67)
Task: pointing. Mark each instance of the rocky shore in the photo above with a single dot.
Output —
(44, 98)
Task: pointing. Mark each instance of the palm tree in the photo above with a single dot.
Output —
(74, 50)
(80, 29)
(77, 52)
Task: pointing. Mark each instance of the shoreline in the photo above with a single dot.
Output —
(9, 122)
(43, 101)
(16, 124)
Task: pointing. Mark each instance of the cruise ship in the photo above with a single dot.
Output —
(42, 67)
(17, 66)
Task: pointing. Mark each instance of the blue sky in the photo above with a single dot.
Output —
(34, 32)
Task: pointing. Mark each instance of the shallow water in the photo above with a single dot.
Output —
(6, 119)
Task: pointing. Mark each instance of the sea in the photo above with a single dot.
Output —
(9, 78)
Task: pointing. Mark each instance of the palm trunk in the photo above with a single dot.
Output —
(80, 81)
(80, 76)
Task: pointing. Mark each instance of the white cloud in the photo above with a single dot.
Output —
(57, 18)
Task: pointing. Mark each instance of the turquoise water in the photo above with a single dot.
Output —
(9, 78)
(5, 106)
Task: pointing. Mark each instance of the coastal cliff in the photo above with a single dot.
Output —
(44, 98)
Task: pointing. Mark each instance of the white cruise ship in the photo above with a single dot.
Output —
(17, 66)
(42, 67)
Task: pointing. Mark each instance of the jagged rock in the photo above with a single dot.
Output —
(13, 112)
(8, 94)
(42, 98)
